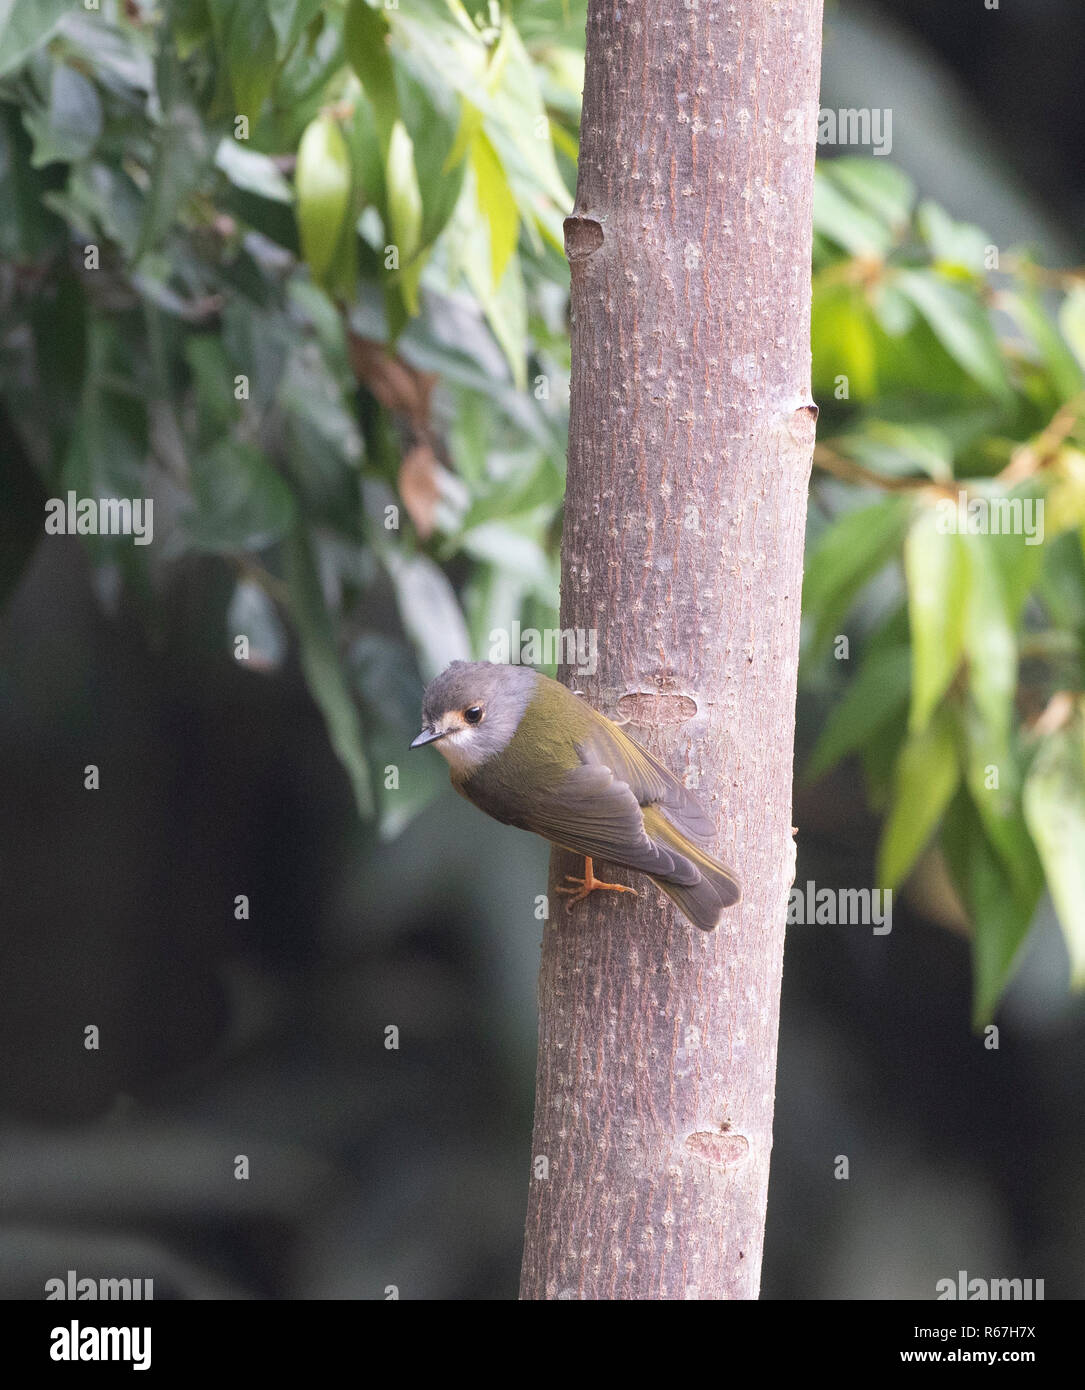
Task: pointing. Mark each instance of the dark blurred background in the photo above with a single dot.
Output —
(265, 1037)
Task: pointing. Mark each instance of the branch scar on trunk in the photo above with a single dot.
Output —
(583, 235)
(647, 707)
(719, 1150)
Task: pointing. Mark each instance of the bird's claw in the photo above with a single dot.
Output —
(586, 886)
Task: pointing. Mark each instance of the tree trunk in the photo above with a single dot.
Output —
(691, 438)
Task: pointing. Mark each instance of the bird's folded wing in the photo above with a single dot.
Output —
(648, 780)
(591, 812)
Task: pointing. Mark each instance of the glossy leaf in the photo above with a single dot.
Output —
(989, 638)
(878, 694)
(960, 322)
(956, 246)
(497, 204)
(926, 776)
(937, 572)
(324, 673)
(1055, 811)
(365, 39)
(860, 231)
(253, 172)
(246, 38)
(431, 615)
(241, 501)
(289, 19)
(70, 126)
(404, 196)
(845, 345)
(25, 27)
(1001, 914)
(994, 783)
(873, 184)
(1072, 323)
(181, 157)
(324, 199)
(845, 557)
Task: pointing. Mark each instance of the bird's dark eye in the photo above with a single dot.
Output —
(473, 715)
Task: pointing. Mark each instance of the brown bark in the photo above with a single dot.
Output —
(691, 437)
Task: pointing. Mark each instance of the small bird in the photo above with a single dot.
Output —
(530, 753)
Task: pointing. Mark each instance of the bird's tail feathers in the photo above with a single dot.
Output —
(714, 887)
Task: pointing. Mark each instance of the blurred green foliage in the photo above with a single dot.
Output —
(293, 270)
(950, 375)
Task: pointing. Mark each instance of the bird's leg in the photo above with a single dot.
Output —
(588, 884)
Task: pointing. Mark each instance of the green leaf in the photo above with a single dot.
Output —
(260, 342)
(365, 38)
(101, 201)
(899, 450)
(1001, 915)
(404, 196)
(874, 185)
(190, 25)
(27, 228)
(384, 674)
(844, 341)
(289, 19)
(895, 314)
(68, 129)
(497, 204)
(844, 558)
(431, 119)
(309, 389)
(366, 157)
(246, 39)
(989, 639)
(517, 126)
(109, 441)
(421, 781)
(24, 27)
(213, 377)
(323, 445)
(241, 502)
(513, 551)
(253, 613)
(323, 184)
(469, 125)
(1055, 811)
(252, 172)
(937, 574)
(323, 672)
(181, 156)
(857, 230)
(954, 245)
(877, 695)
(1072, 322)
(1026, 306)
(535, 493)
(506, 312)
(927, 774)
(960, 322)
(1016, 557)
(429, 611)
(994, 784)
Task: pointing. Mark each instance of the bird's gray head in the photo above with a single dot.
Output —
(472, 710)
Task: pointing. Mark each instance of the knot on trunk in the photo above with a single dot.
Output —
(719, 1150)
(583, 235)
(649, 708)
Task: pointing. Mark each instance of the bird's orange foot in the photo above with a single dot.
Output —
(589, 884)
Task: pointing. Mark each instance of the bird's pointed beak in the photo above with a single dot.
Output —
(427, 736)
